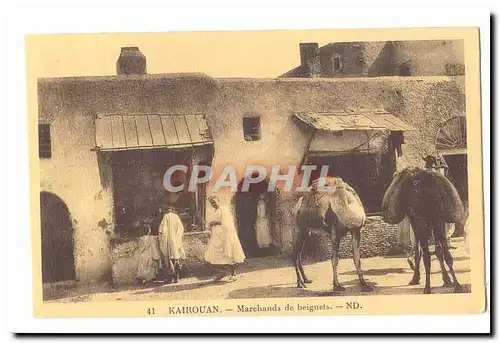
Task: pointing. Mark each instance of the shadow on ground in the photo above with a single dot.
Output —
(381, 271)
(386, 271)
(206, 271)
(81, 293)
(351, 289)
(403, 255)
(178, 287)
(461, 258)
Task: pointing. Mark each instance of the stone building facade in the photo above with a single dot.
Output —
(83, 167)
(373, 59)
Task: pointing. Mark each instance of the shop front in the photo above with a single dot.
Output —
(140, 148)
(361, 148)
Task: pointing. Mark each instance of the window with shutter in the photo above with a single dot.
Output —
(251, 128)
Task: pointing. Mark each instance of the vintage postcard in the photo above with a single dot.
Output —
(262, 173)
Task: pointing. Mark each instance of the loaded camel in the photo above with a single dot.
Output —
(430, 201)
(336, 208)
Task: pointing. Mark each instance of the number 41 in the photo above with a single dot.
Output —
(150, 311)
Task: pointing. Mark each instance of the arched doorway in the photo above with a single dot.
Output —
(57, 240)
(255, 210)
(451, 143)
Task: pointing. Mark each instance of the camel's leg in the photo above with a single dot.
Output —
(427, 265)
(448, 258)
(416, 272)
(301, 250)
(356, 238)
(444, 273)
(335, 260)
(423, 237)
(297, 249)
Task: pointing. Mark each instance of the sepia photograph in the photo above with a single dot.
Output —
(256, 172)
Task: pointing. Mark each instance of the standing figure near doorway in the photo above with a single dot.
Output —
(224, 249)
(262, 223)
(150, 258)
(171, 232)
(442, 168)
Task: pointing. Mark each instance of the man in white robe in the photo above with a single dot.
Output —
(224, 249)
(171, 232)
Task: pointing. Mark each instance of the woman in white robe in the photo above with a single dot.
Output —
(224, 248)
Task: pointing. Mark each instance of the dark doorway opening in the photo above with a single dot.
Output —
(368, 174)
(58, 262)
(256, 219)
(457, 174)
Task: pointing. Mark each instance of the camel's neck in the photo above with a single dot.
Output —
(342, 196)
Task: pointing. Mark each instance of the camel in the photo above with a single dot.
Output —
(337, 209)
(430, 201)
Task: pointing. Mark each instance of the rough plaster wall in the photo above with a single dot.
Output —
(356, 58)
(384, 63)
(72, 174)
(426, 105)
(371, 50)
(280, 135)
(428, 58)
(282, 141)
(351, 59)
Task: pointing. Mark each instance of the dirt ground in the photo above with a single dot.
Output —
(274, 277)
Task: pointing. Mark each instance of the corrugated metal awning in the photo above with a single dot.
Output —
(343, 121)
(348, 142)
(147, 131)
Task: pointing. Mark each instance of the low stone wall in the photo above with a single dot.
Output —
(125, 257)
(377, 239)
(195, 245)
